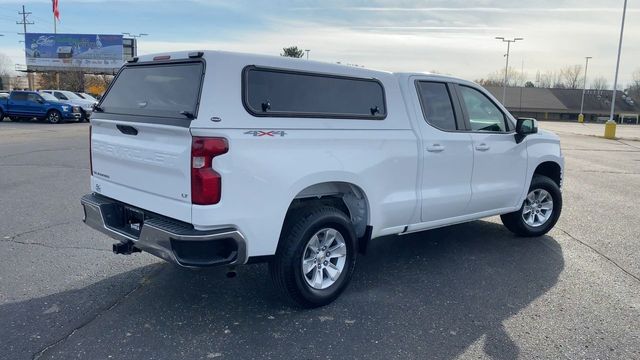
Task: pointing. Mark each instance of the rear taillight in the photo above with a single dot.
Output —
(206, 183)
(90, 155)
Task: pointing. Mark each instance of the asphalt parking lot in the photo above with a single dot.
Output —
(465, 291)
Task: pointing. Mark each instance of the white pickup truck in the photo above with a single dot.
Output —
(213, 158)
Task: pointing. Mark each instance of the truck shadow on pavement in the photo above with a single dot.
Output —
(425, 295)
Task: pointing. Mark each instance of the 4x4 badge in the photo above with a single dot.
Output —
(266, 133)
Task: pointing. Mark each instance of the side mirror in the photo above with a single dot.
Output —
(524, 127)
(40, 100)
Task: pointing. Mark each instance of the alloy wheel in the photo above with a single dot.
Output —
(324, 258)
(538, 207)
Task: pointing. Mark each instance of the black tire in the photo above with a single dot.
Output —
(83, 116)
(286, 266)
(14, 119)
(1, 115)
(515, 222)
(53, 117)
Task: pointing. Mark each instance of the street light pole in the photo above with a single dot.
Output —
(610, 126)
(506, 67)
(584, 88)
(307, 51)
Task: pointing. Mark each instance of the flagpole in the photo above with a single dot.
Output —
(55, 31)
(55, 25)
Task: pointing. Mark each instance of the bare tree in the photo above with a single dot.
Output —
(6, 65)
(571, 76)
(72, 80)
(600, 83)
(548, 79)
(5, 71)
(489, 82)
(634, 87)
(496, 78)
(97, 84)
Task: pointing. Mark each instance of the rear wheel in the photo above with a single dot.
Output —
(539, 211)
(54, 117)
(316, 256)
(1, 115)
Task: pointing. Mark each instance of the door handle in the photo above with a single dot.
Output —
(482, 147)
(128, 130)
(435, 148)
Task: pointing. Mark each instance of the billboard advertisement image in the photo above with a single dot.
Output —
(87, 52)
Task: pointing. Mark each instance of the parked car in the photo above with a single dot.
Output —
(24, 105)
(215, 158)
(70, 97)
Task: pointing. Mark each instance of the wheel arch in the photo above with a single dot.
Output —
(344, 195)
(50, 110)
(550, 169)
(551, 166)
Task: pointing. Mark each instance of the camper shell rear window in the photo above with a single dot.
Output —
(170, 89)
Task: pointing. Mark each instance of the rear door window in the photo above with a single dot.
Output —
(19, 96)
(437, 107)
(162, 90)
(275, 92)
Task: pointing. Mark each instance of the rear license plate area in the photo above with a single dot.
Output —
(133, 219)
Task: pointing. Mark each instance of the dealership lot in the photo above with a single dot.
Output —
(466, 291)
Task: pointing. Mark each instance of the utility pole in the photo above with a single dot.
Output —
(24, 24)
(506, 68)
(584, 88)
(307, 51)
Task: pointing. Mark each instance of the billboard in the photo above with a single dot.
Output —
(88, 52)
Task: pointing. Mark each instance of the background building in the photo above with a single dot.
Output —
(564, 104)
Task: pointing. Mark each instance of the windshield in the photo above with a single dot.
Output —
(48, 96)
(71, 95)
(87, 97)
(164, 90)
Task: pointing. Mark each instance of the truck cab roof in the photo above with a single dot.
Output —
(289, 63)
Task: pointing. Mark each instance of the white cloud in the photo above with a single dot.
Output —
(443, 35)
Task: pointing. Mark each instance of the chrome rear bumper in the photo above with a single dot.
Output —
(169, 239)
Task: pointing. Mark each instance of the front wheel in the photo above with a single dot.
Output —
(316, 256)
(54, 117)
(540, 210)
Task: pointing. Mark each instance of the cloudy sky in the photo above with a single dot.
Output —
(452, 36)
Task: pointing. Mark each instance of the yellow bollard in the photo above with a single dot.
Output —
(610, 129)
(581, 118)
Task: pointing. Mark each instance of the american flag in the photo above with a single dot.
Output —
(56, 12)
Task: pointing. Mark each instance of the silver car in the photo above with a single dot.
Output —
(69, 97)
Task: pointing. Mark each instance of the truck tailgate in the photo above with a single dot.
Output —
(144, 165)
